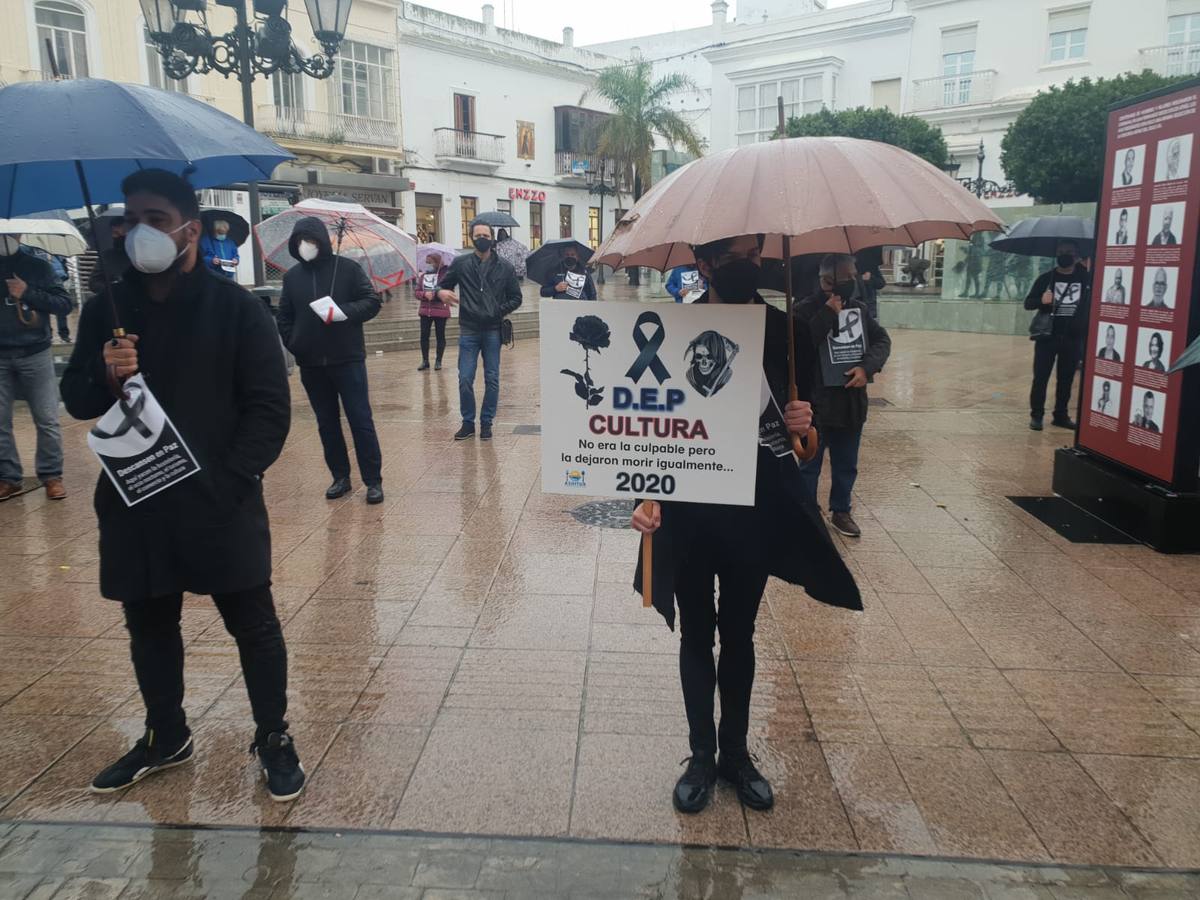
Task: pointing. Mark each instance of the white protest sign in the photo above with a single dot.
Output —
(652, 400)
(138, 447)
(575, 284)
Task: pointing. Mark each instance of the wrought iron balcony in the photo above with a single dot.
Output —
(327, 127)
(569, 165)
(1171, 59)
(471, 147)
(950, 91)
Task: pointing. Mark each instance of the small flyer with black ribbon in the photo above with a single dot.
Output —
(575, 284)
(138, 446)
(772, 430)
(845, 347)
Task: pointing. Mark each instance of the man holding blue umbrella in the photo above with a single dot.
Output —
(212, 358)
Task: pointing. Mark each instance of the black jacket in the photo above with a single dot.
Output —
(840, 407)
(799, 549)
(1074, 326)
(550, 288)
(488, 291)
(44, 298)
(211, 356)
(311, 341)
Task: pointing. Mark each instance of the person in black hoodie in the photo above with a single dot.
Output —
(209, 352)
(840, 400)
(697, 544)
(557, 286)
(1064, 293)
(331, 352)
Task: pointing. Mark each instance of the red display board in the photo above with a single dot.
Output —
(1142, 288)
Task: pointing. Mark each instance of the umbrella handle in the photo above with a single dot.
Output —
(805, 447)
(110, 371)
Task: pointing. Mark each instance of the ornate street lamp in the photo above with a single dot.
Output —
(259, 44)
(604, 184)
(980, 185)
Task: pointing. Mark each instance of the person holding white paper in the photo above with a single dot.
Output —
(574, 282)
(325, 301)
(208, 352)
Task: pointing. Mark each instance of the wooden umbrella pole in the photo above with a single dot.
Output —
(805, 447)
(647, 570)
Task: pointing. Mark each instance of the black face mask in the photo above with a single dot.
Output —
(845, 289)
(1065, 260)
(482, 244)
(737, 281)
(571, 264)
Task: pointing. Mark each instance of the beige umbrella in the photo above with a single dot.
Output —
(805, 195)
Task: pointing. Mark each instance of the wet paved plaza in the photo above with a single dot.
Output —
(468, 659)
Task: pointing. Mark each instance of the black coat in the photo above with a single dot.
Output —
(44, 298)
(841, 407)
(488, 290)
(211, 356)
(800, 549)
(311, 341)
(550, 288)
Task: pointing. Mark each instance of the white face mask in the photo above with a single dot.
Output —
(309, 251)
(150, 250)
(9, 244)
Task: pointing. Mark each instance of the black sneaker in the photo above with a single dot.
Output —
(1063, 422)
(437, 366)
(280, 766)
(693, 790)
(467, 431)
(485, 431)
(423, 366)
(340, 488)
(752, 788)
(1035, 424)
(375, 494)
(845, 524)
(144, 759)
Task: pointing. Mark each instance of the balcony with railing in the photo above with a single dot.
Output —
(949, 91)
(574, 168)
(472, 150)
(322, 127)
(1171, 59)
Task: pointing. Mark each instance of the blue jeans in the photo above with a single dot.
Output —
(842, 444)
(470, 345)
(35, 375)
(346, 382)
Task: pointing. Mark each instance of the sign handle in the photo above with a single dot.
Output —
(647, 570)
(805, 447)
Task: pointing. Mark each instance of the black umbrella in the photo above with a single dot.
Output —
(1040, 236)
(497, 219)
(239, 228)
(546, 259)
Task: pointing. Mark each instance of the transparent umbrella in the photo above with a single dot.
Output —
(388, 254)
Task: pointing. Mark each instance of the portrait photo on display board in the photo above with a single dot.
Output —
(1110, 342)
(1158, 287)
(1146, 409)
(1128, 166)
(1117, 285)
(1123, 226)
(1106, 396)
(1153, 349)
(1166, 224)
(1174, 158)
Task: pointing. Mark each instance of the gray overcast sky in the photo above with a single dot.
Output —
(594, 22)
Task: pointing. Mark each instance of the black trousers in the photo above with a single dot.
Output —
(156, 646)
(347, 382)
(1060, 350)
(733, 558)
(427, 323)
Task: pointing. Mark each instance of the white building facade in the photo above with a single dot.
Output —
(968, 66)
(497, 120)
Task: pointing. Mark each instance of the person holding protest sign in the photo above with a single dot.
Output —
(212, 355)
(574, 282)
(851, 347)
(432, 311)
(697, 544)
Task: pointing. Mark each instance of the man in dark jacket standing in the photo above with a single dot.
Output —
(1064, 292)
(488, 293)
(851, 348)
(326, 299)
(32, 298)
(210, 354)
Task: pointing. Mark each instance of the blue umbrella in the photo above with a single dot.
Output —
(70, 143)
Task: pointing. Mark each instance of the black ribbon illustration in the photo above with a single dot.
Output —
(649, 347)
(133, 412)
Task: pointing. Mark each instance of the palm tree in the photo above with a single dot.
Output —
(640, 116)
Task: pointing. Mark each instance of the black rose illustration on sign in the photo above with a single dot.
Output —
(593, 334)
